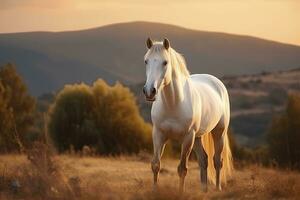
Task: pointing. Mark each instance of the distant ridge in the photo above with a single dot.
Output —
(48, 60)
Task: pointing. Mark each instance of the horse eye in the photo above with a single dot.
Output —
(165, 63)
(146, 62)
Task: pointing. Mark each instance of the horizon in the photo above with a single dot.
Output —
(151, 22)
(250, 18)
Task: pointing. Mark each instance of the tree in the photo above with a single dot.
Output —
(6, 119)
(101, 116)
(71, 121)
(16, 109)
(284, 135)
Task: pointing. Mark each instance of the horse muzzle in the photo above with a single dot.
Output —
(149, 93)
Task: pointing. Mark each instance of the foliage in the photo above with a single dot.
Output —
(16, 109)
(242, 154)
(284, 135)
(101, 116)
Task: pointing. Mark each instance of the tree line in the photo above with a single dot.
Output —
(101, 116)
(107, 119)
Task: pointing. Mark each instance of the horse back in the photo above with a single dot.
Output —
(202, 80)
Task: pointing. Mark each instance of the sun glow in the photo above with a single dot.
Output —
(271, 19)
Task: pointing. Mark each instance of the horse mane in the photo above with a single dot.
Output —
(178, 63)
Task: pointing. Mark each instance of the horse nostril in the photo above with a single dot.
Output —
(153, 91)
(144, 89)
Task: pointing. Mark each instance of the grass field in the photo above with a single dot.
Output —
(130, 177)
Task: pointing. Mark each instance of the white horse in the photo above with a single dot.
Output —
(191, 108)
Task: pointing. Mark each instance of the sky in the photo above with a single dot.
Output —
(277, 20)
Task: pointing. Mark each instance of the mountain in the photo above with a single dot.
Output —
(48, 60)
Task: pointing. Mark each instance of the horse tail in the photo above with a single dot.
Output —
(208, 144)
(227, 168)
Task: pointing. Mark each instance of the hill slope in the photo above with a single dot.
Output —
(254, 100)
(115, 52)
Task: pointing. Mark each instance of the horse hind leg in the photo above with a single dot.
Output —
(186, 149)
(218, 138)
(202, 162)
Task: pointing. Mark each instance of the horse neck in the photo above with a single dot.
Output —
(173, 93)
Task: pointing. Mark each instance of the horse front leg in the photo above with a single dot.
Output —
(159, 142)
(186, 149)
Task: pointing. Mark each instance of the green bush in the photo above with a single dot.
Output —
(284, 135)
(104, 117)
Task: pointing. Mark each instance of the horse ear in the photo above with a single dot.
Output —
(149, 43)
(166, 43)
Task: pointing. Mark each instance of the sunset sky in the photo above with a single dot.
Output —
(271, 19)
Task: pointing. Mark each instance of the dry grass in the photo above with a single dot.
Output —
(125, 177)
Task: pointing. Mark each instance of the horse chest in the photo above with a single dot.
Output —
(174, 125)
